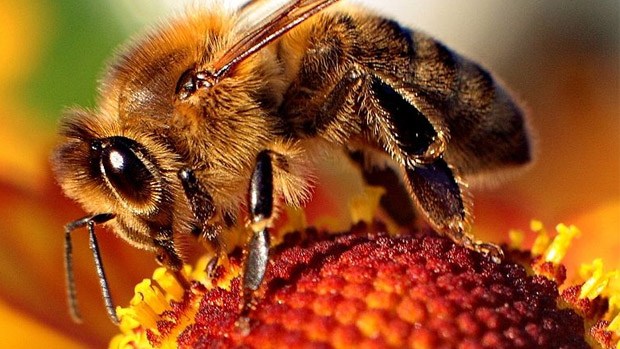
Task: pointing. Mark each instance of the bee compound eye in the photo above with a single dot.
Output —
(126, 172)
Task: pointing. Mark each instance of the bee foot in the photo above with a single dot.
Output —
(489, 250)
(212, 266)
(245, 307)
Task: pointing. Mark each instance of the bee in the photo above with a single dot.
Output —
(208, 122)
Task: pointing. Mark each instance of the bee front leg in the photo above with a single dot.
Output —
(260, 205)
(201, 204)
(89, 222)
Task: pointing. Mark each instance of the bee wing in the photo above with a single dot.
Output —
(486, 131)
(290, 15)
(251, 5)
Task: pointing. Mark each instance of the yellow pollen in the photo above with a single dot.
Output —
(167, 282)
(516, 239)
(559, 246)
(597, 281)
(614, 314)
(148, 302)
(199, 273)
(542, 239)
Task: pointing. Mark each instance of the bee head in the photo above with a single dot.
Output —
(127, 173)
(159, 111)
(163, 82)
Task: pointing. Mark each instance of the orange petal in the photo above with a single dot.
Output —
(20, 331)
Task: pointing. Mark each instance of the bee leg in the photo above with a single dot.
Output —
(89, 222)
(203, 209)
(412, 140)
(167, 255)
(212, 234)
(212, 265)
(260, 205)
(440, 194)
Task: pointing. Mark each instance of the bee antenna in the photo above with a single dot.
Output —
(89, 222)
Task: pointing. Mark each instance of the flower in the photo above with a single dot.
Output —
(55, 50)
(367, 288)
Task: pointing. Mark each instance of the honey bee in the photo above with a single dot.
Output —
(206, 123)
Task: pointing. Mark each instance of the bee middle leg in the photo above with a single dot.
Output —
(260, 206)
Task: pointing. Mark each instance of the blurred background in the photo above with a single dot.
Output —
(561, 58)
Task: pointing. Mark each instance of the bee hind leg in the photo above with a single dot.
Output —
(418, 144)
(440, 194)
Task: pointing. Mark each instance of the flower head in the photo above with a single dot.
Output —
(367, 288)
